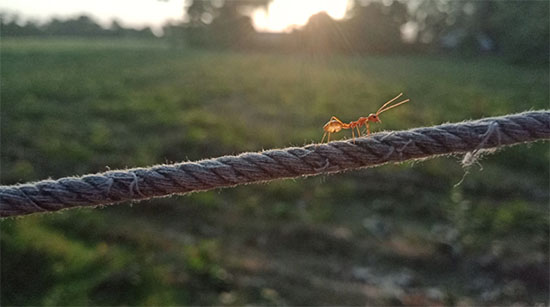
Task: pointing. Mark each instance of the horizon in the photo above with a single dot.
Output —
(155, 14)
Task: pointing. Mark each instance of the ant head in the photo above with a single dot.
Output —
(374, 118)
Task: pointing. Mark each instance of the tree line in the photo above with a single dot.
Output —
(82, 26)
(515, 30)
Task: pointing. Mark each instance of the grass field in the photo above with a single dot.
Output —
(399, 234)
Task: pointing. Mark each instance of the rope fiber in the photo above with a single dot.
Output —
(180, 178)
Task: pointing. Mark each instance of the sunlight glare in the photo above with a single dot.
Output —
(284, 15)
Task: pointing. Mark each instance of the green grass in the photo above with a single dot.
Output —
(73, 107)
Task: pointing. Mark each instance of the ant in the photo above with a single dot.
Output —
(336, 125)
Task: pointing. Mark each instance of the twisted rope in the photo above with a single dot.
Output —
(380, 148)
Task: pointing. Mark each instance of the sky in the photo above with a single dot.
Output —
(281, 15)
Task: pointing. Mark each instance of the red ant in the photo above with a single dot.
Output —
(335, 125)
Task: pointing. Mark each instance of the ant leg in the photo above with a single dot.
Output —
(328, 140)
(368, 128)
(358, 131)
(353, 135)
(337, 119)
(323, 137)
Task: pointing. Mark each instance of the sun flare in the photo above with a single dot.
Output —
(284, 15)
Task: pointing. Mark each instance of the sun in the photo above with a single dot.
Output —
(284, 15)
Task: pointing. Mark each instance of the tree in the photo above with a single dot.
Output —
(10, 27)
(375, 27)
(517, 30)
(217, 23)
(370, 28)
(321, 34)
(80, 26)
(521, 31)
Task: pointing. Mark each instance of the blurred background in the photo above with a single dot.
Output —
(94, 85)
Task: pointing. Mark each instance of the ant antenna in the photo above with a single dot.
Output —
(382, 107)
(395, 105)
(391, 107)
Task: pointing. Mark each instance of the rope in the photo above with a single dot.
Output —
(380, 148)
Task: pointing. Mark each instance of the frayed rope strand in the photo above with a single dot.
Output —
(161, 180)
